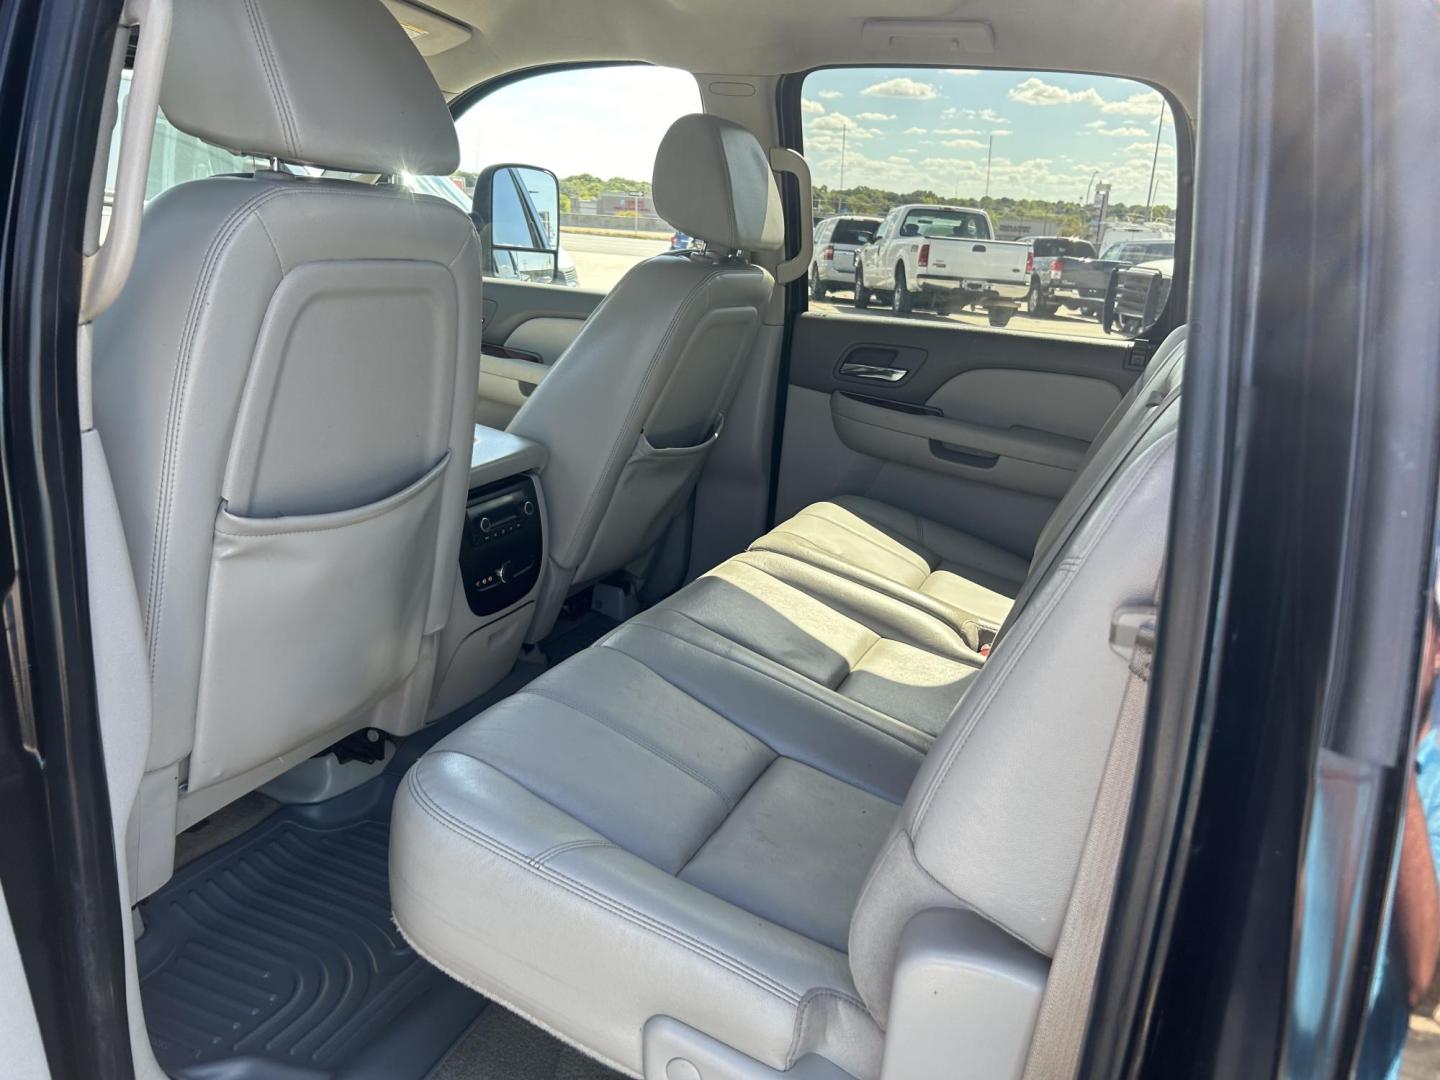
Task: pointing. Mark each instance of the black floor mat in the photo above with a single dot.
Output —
(275, 956)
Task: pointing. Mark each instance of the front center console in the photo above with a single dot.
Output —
(501, 559)
(502, 545)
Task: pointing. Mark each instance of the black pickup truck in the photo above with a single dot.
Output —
(1064, 271)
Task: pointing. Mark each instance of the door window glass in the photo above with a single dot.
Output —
(997, 189)
(597, 129)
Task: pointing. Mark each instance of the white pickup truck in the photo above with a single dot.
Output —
(943, 258)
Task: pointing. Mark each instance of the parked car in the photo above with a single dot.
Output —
(837, 239)
(680, 241)
(1141, 293)
(1116, 232)
(1051, 266)
(942, 258)
(1079, 281)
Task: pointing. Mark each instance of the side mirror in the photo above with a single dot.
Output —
(909, 229)
(517, 214)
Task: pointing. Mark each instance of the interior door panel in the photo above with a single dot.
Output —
(527, 327)
(981, 430)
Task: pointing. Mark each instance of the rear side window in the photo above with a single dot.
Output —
(997, 188)
(1053, 247)
(851, 231)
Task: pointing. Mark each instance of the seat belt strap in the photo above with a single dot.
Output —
(1070, 987)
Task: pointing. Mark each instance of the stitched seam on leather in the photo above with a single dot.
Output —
(721, 823)
(1066, 565)
(706, 951)
(834, 603)
(802, 1016)
(663, 755)
(915, 596)
(772, 678)
(155, 591)
(278, 94)
(614, 463)
(928, 565)
(570, 845)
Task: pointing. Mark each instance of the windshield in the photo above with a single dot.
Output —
(943, 224)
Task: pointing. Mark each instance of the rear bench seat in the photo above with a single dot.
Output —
(726, 811)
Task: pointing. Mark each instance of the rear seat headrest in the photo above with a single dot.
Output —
(331, 83)
(713, 181)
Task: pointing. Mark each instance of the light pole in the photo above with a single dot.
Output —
(1154, 161)
(840, 194)
(989, 157)
(1086, 200)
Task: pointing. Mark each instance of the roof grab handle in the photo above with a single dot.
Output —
(783, 160)
(105, 271)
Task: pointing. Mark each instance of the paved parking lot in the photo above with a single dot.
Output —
(602, 260)
(1062, 324)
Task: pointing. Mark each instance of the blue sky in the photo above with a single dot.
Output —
(931, 128)
(903, 129)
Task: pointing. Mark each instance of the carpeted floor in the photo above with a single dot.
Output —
(502, 1046)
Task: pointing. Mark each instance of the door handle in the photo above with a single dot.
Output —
(873, 372)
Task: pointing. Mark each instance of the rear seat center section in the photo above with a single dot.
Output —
(712, 827)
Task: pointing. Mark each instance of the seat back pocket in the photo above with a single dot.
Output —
(309, 619)
(652, 488)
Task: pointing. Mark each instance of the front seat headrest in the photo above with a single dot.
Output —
(713, 181)
(331, 83)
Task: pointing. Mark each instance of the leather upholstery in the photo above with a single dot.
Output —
(713, 181)
(332, 83)
(285, 392)
(671, 822)
(630, 411)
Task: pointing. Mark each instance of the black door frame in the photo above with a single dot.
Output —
(1300, 558)
(57, 862)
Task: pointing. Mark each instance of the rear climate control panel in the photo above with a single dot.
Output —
(502, 545)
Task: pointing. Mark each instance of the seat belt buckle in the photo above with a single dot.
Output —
(1132, 631)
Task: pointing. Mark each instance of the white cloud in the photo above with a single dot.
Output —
(1146, 150)
(1001, 131)
(830, 95)
(874, 117)
(1036, 91)
(901, 88)
(915, 131)
(962, 71)
(958, 131)
(989, 116)
(1120, 131)
(811, 108)
(964, 144)
(1145, 103)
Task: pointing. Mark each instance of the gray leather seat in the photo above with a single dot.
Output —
(631, 410)
(693, 827)
(284, 389)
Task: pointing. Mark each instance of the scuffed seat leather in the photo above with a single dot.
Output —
(675, 823)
